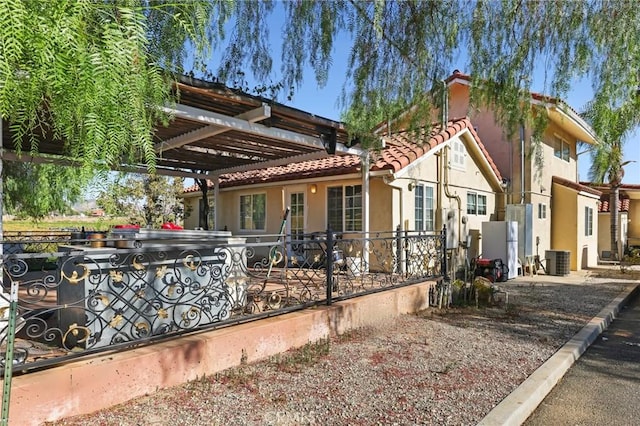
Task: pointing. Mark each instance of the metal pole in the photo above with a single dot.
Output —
(407, 254)
(443, 283)
(398, 249)
(444, 253)
(365, 210)
(1, 204)
(329, 257)
(8, 358)
(216, 202)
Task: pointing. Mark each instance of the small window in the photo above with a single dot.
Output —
(542, 211)
(476, 203)
(588, 221)
(253, 212)
(482, 204)
(561, 149)
(457, 154)
(472, 198)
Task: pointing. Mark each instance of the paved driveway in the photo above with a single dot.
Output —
(603, 387)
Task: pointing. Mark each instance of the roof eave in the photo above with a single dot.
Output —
(569, 120)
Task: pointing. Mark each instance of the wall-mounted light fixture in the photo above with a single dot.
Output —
(313, 188)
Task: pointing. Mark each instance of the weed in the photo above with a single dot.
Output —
(353, 335)
(238, 378)
(294, 361)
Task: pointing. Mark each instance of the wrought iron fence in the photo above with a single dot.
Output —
(15, 242)
(79, 299)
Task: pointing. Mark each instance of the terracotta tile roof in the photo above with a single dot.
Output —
(401, 150)
(623, 204)
(575, 185)
(328, 166)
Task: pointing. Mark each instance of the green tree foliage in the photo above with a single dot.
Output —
(35, 190)
(91, 73)
(612, 124)
(143, 199)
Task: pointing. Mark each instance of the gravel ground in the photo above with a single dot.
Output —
(438, 367)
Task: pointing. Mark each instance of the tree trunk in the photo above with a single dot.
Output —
(613, 211)
(204, 214)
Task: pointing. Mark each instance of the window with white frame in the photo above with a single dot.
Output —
(344, 208)
(482, 204)
(253, 212)
(471, 202)
(588, 221)
(542, 211)
(561, 148)
(457, 154)
(424, 208)
(476, 203)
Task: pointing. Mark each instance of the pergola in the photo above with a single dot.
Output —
(216, 130)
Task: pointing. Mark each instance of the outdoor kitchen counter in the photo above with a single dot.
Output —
(153, 237)
(169, 280)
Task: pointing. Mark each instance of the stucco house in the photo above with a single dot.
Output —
(575, 233)
(534, 196)
(418, 181)
(628, 218)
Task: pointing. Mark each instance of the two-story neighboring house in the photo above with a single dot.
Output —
(557, 211)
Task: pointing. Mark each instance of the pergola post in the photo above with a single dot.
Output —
(216, 204)
(365, 207)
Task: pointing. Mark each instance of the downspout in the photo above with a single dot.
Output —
(445, 162)
(522, 164)
(447, 192)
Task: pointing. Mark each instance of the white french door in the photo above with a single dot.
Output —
(296, 221)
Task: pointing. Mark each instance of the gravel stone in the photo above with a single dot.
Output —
(438, 367)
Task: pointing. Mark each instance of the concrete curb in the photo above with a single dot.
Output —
(519, 404)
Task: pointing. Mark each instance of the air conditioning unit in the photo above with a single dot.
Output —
(557, 262)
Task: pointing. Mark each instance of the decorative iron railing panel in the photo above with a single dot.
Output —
(78, 299)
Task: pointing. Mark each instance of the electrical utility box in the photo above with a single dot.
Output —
(523, 214)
